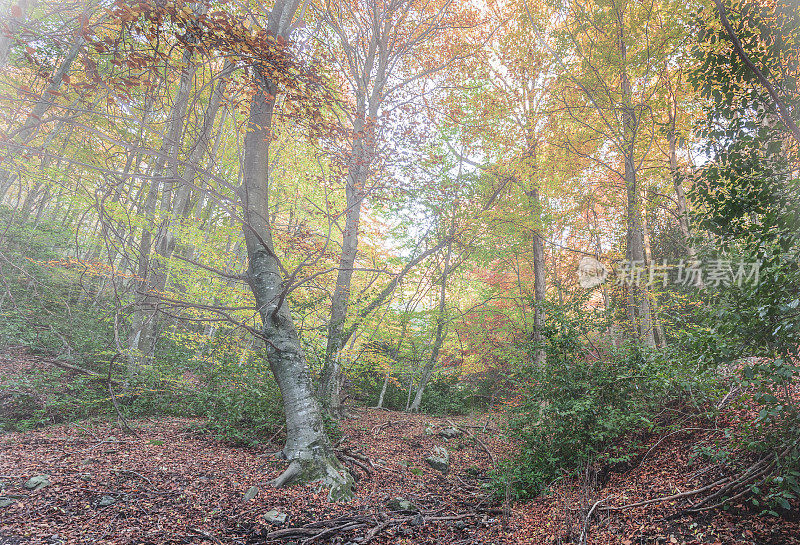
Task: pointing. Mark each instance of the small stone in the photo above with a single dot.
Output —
(251, 493)
(86, 477)
(275, 517)
(450, 433)
(401, 504)
(459, 525)
(429, 430)
(418, 520)
(440, 460)
(5, 502)
(106, 500)
(38, 482)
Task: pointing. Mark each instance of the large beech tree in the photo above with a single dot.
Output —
(307, 447)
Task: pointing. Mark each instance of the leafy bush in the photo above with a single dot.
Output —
(450, 395)
(746, 201)
(573, 408)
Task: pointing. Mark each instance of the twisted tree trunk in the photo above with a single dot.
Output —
(307, 447)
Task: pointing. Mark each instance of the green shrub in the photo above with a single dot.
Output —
(450, 395)
(571, 410)
(241, 402)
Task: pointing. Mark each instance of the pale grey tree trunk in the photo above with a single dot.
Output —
(649, 221)
(33, 121)
(373, 45)
(638, 297)
(680, 195)
(307, 447)
(539, 271)
(152, 272)
(438, 340)
(6, 182)
(379, 405)
(361, 155)
(539, 282)
(354, 192)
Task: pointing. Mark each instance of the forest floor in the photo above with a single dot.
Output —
(171, 483)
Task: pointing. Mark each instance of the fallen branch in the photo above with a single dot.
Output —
(81, 370)
(686, 494)
(477, 441)
(588, 519)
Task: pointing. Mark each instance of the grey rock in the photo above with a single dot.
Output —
(450, 433)
(106, 500)
(401, 504)
(38, 482)
(251, 493)
(440, 460)
(275, 517)
(86, 477)
(429, 430)
(5, 502)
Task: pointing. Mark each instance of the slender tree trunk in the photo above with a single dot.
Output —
(358, 170)
(152, 272)
(680, 196)
(438, 340)
(30, 202)
(539, 272)
(33, 121)
(6, 182)
(331, 372)
(539, 282)
(638, 297)
(658, 331)
(395, 355)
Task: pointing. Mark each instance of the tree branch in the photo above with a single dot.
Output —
(737, 46)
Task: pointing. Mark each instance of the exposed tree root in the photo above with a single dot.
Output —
(328, 471)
